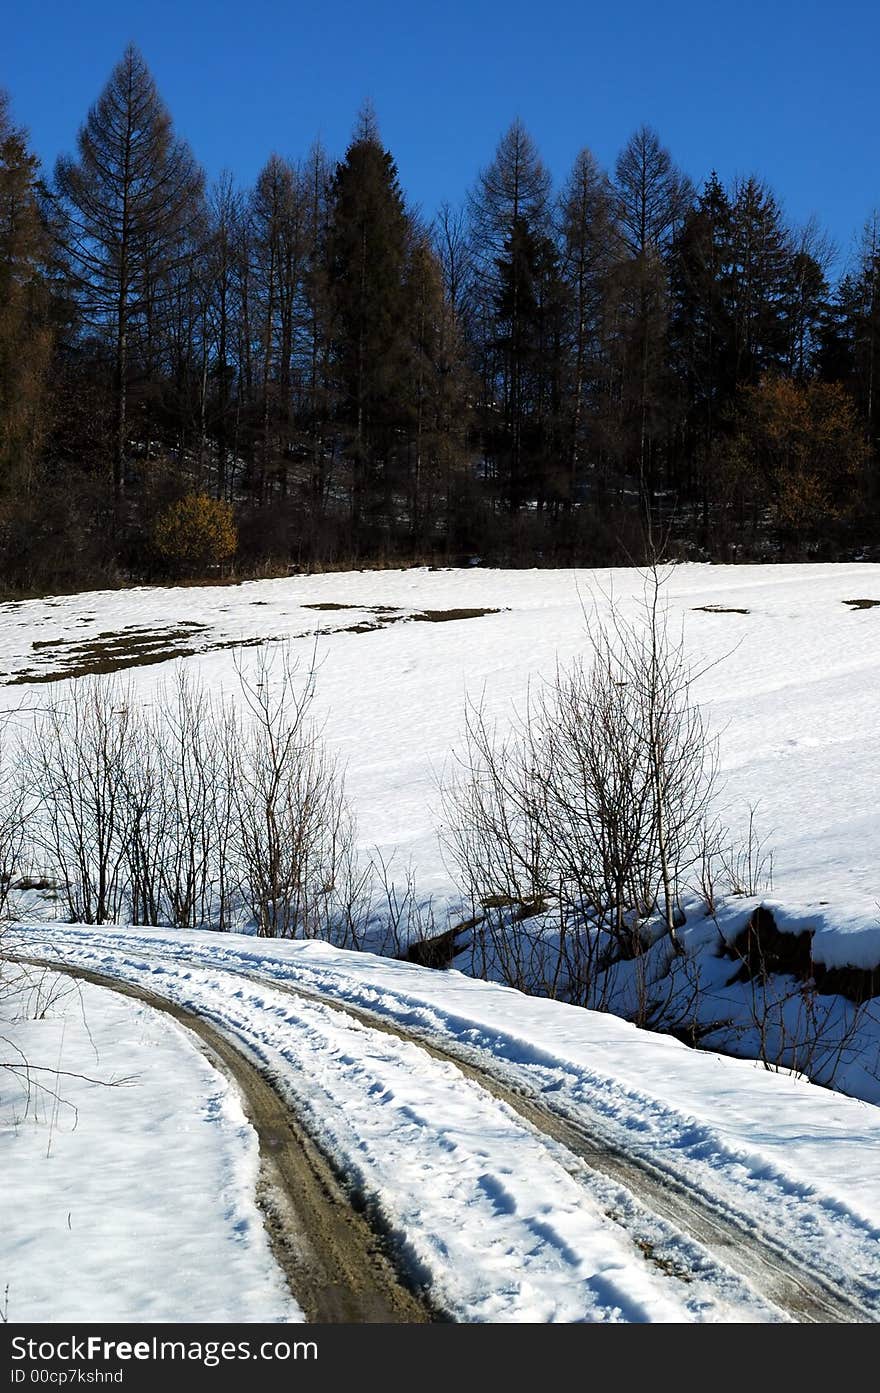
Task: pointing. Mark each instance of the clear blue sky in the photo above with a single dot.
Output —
(784, 88)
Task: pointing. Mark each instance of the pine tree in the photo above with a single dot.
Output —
(126, 203)
(368, 242)
(760, 271)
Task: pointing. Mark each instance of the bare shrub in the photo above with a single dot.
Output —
(747, 865)
(199, 745)
(178, 786)
(594, 803)
(396, 915)
(16, 804)
(187, 812)
(790, 1025)
(294, 830)
(72, 760)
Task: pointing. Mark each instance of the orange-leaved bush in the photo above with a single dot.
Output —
(196, 533)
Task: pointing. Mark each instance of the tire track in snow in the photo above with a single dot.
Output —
(503, 1181)
(805, 1296)
(334, 1262)
(802, 1294)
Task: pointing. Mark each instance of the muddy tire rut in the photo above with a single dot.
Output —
(336, 1265)
(801, 1294)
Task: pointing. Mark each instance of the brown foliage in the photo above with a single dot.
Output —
(801, 449)
(25, 334)
(196, 533)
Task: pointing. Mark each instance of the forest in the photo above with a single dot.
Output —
(202, 381)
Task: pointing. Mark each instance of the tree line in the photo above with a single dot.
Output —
(309, 373)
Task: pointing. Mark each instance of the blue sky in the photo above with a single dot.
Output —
(784, 88)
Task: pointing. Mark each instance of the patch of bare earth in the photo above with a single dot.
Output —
(387, 615)
(719, 609)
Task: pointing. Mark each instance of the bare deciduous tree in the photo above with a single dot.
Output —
(125, 205)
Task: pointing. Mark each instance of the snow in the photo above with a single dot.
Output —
(791, 688)
(499, 1223)
(847, 935)
(131, 1198)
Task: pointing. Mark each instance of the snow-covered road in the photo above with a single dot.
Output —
(495, 1217)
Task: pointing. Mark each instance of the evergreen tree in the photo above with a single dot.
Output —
(528, 323)
(435, 397)
(865, 328)
(702, 341)
(368, 243)
(759, 282)
(806, 298)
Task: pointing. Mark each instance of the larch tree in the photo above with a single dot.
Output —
(800, 449)
(224, 221)
(590, 247)
(510, 216)
(316, 322)
(125, 203)
(277, 219)
(653, 197)
(25, 316)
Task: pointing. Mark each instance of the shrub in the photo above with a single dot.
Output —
(593, 802)
(196, 533)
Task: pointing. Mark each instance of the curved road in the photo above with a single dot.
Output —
(342, 1268)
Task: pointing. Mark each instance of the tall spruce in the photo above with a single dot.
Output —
(702, 340)
(759, 281)
(369, 238)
